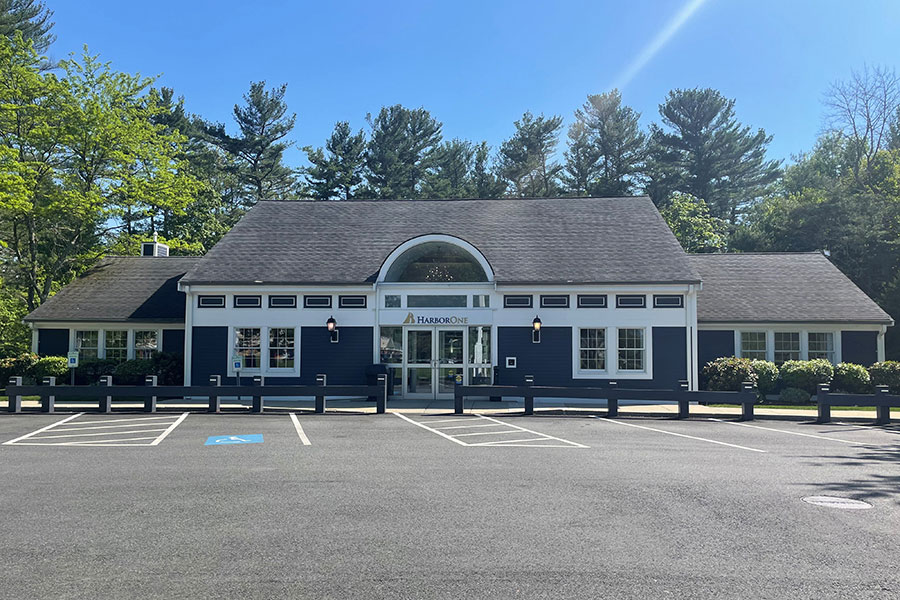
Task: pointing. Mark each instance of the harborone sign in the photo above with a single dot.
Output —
(411, 319)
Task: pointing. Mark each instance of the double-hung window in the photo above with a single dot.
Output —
(787, 346)
(88, 344)
(281, 348)
(821, 345)
(116, 344)
(632, 350)
(592, 349)
(753, 345)
(146, 342)
(247, 345)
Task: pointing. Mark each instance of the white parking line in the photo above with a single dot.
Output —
(299, 429)
(465, 426)
(575, 444)
(52, 425)
(448, 420)
(170, 429)
(510, 430)
(690, 437)
(809, 435)
(431, 429)
(68, 435)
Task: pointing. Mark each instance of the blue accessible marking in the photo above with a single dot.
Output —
(224, 440)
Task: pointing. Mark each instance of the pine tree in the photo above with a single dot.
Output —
(264, 124)
(32, 18)
(582, 157)
(401, 150)
(337, 174)
(526, 158)
(704, 151)
(451, 174)
(485, 182)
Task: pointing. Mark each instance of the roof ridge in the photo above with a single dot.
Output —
(505, 199)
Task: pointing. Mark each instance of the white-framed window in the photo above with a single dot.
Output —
(668, 301)
(87, 342)
(592, 349)
(517, 301)
(787, 346)
(116, 344)
(210, 301)
(281, 348)
(146, 342)
(591, 300)
(317, 301)
(481, 301)
(392, 301)
(282, 301)
(821, 345)
(554, 301)
(248, 301)
(248, 344)
(351, 301)
(753, 345)
(631, 301)
(632, 349)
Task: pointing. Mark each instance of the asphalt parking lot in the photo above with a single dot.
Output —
(442, 506)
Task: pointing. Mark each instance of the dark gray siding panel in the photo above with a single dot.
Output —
(53, 342)
(209, 354)
(714, 344)
(173, 341)
(343, 362)
(550, 361)
(860, 347)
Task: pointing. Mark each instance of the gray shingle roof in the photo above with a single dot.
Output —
(776, 288)
(122, 288)
(555, 240)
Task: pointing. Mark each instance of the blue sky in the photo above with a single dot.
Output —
(478, 65)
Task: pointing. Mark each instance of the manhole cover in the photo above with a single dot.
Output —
(835, 502)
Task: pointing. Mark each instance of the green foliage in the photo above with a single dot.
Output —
(132, 372)
(403, 146)
(606, 148)
(806, 374)
(51, 366)
(17, 366)
(89, 372)
(168, 367)
(701, 149)
(29, 17)
(337, 171)
(526, 159)
(767, 376)
(727, 374)
(886, 373)
(794, 395)
(851, 378)
(689, 219)
(15, 338)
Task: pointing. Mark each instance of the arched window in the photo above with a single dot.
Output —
(435, 261)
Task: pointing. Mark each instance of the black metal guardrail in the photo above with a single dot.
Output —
(151, 392)
(745, 398)
(882, 400)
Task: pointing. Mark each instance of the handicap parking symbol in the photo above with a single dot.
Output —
(224, 440)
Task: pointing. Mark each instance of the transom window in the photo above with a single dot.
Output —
(631, 350)
(437, 262)
(88, 344)
(753, 345)
(116, 345)
(247, 345)
(281, 348)
(821, 345)
(787, 346)
(592, 350)
(146, 342)
(436, 301)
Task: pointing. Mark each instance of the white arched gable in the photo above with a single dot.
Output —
(433, 238)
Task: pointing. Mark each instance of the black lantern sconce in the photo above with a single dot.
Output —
(331, 325)
(536, 330)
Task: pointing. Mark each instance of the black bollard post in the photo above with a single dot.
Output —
(150, 401)
(321, 381)
(215, 401)
(48, 400)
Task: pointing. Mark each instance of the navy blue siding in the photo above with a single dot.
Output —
(714, 344)
(550, 361)
(343, 362)
(173, 341)
(860, 347)
(209, 354)
(53, 342)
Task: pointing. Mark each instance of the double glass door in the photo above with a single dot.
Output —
(435, 357)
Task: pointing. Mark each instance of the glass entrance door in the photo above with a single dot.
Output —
(450, 360)
(419, 363)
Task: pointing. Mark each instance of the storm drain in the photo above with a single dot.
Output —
(835, 502)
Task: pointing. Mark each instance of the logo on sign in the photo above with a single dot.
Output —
(72, 358)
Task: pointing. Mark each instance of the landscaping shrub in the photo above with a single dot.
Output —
(728, 373)
(851, 378)
(766, 376)
(886, 373)
(90, 371)
(132, 372)
(793, 395)
(169, 368)
(15, 366)
(51, 366)
(806, 374)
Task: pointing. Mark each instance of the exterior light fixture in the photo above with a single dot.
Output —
(536, 330)
(331, 326)
(536, 324)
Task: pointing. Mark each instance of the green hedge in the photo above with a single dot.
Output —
(886, 373)
(17, 366)
(132, 372)
(727, 374)
(793, 395)
(51, 366)
(767, 377)
(806, 374)
(851, 379)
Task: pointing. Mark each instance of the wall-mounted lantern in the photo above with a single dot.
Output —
(536, 330)
(331, 326)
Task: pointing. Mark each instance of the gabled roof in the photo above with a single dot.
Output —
(122, 289)
(548, 240)
(779, 288)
